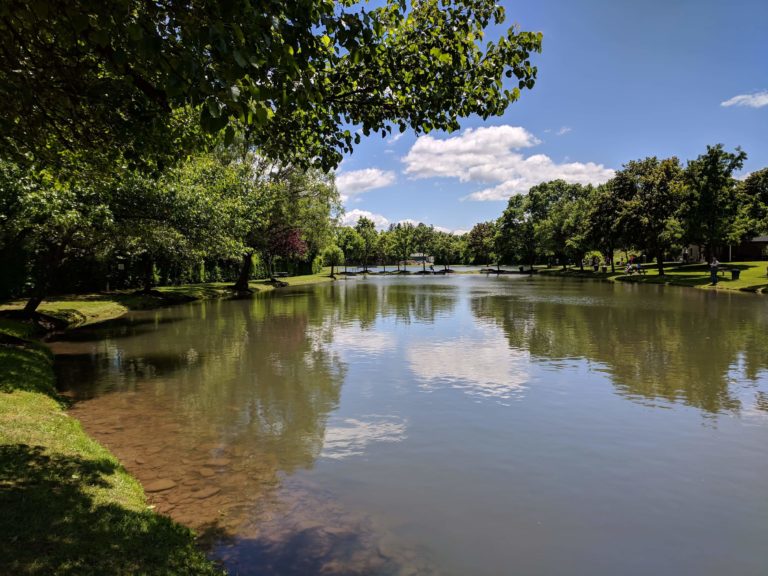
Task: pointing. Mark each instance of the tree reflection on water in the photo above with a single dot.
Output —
(682, 347)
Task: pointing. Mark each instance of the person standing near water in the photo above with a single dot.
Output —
(713, 270)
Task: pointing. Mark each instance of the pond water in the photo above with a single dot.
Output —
(463, 425)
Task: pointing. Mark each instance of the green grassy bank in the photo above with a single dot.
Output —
(81, 309)
(68, 506)
(752, 277)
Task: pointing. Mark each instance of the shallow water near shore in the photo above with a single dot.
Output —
(445, 425)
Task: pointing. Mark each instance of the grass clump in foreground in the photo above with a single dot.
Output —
(68, 507)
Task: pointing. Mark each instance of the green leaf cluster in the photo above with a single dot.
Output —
(111, 77)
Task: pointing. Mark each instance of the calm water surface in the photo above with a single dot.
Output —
(456, 426)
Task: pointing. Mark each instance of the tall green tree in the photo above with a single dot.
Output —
(651, 193)
(367, 231)
(385, 248)
(555, 209)
(446, 249)
(402, 241)
(106, 75)
(516, 237)
(711, 207)
(278, 200)
(48, 222)
(190, 212)
(753, 193)
(351, 243)
(481, 240)
(602, 224)
(423, 239)
(333, 256)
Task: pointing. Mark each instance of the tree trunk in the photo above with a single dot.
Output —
(245, 273)
(613, 264)
(31, 306)
(44, 277)
(332, 274)
(149, 276)
(660, 262)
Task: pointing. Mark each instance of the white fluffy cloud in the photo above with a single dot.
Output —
(491, 155)
(454, 231)
(527, 172)
(755, 100)
(382, 222)
(564, 130)
(350, 218)
(359, 181)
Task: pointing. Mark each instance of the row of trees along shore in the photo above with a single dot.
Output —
(651, 206)
(132, 133)
(363, 246)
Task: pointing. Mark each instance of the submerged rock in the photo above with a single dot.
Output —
(207, 492)
(160, 485)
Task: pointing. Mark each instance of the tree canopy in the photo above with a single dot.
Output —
(711, 206)
(652, 195)
(294, 77)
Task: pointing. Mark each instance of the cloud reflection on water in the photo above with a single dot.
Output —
(352, 338)
(482, 366)
(351, 436)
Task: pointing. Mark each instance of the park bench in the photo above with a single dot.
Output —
(281, 274)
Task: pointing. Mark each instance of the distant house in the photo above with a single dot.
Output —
(752, 249)
(421, 257)
(749, 250)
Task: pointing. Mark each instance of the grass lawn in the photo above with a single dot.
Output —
(323, 276)
(753, 277)
(68, 506)
(82, 309)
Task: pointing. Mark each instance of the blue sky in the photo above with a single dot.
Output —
(618, 80)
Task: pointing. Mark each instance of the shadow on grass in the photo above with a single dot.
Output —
(677, 278)
(762, 288)
(50, 524)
